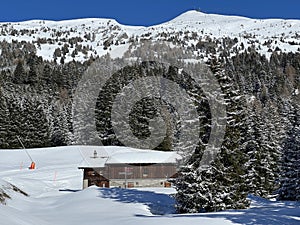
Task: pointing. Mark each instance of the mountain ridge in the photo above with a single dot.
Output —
(180, 17)
(102, 35)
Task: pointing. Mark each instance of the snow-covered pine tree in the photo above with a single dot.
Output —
(290, 160)
(271, 139)
(262, 138)
(19, 76)
(25, 119)
(15, 122)
(188, 197)
(251, 146)
(222, 185)
(229, 166)
(4, 121)
(35, 131)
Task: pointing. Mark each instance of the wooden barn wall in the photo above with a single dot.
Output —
(140, 171)
(94, 178)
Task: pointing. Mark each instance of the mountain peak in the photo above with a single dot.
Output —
(189, 15)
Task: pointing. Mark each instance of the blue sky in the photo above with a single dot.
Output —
(143, 12)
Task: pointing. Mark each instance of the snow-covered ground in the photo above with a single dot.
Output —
(55, 197)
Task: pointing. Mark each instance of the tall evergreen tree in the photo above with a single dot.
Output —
(222, 185)
(290, 160)
(19, 76)
(27, 121)
(4, 121)
(262, 139)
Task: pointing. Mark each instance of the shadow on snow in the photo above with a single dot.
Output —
(262, 211)
(159, 204)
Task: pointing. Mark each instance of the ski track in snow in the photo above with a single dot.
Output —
(56, 197)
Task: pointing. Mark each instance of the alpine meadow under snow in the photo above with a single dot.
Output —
(55, 197)
(245, 102)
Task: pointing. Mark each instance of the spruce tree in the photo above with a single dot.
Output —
(290, 160)
(19, 76)
(222, 185)
(262, 140)
(4, 121)
(28, 121)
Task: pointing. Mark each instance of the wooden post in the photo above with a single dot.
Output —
(85, 183)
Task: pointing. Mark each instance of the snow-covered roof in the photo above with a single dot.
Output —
(107, 155)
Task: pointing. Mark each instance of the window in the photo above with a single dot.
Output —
(145, 172)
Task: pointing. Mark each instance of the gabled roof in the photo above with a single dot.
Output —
(107, 155)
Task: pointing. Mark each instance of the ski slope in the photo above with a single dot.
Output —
(55, 197)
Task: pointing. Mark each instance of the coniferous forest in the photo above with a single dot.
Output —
(260, 153)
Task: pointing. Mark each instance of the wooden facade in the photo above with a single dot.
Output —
(130, 175)
(140, 171)
(94, 177)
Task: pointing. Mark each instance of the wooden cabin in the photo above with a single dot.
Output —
(128, 167)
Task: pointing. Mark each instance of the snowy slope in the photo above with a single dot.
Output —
(102, 36)
(55, 197)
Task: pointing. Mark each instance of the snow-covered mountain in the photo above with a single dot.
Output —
(100, 36)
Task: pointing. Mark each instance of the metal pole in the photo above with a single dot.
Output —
(125, 177)
(24, 148)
